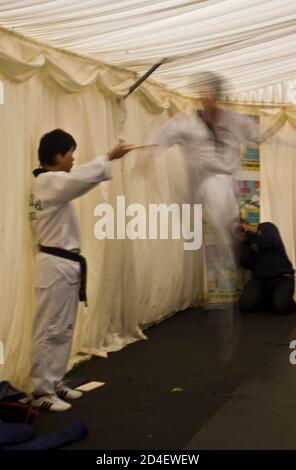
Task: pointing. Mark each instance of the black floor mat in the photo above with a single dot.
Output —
(160, 392)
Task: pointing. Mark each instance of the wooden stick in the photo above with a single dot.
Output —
(144, 146)
(144, 77)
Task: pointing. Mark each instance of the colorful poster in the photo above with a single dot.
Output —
(228, 288)
(248, 196)
(221, 289)
(250, 151)
(250, 158)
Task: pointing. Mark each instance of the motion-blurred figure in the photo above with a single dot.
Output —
(210, 141)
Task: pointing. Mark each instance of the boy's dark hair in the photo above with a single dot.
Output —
(54, 143)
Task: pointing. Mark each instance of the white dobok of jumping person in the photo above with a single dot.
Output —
(210, 141)
(59, 265)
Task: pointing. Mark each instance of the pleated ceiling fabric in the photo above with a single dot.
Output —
(251, 42)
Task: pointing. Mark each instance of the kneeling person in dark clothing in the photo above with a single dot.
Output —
(272, 284)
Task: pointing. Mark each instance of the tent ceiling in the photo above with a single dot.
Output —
(251, 42)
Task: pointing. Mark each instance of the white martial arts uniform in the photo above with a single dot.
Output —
(212, 158)
(55, 224)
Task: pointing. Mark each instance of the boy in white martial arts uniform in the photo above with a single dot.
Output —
(61, 270)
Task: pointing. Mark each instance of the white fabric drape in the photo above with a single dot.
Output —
(278, 169)
(250, 42)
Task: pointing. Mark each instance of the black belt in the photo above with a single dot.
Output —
(52, 250)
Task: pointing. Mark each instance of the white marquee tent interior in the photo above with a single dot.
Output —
(69, 64)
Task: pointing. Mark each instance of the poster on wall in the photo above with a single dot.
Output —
(228, 287)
